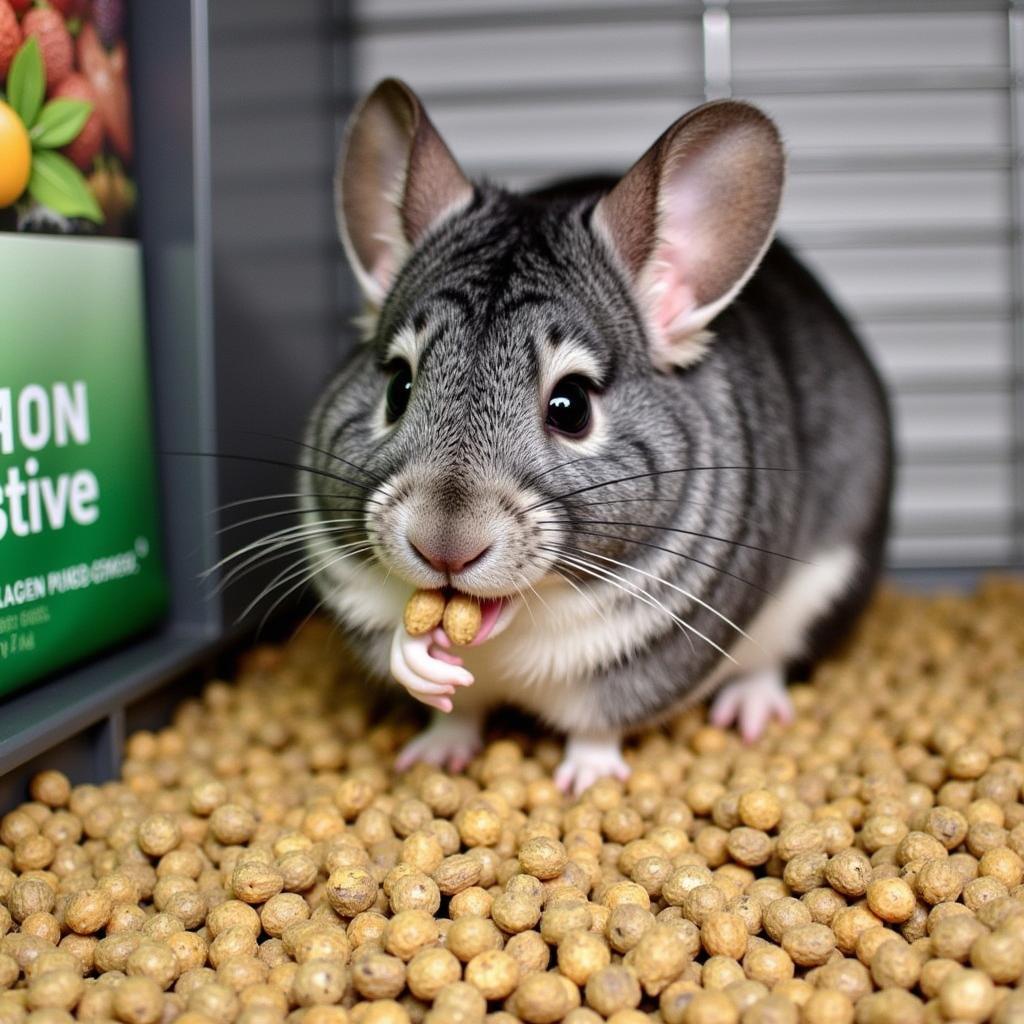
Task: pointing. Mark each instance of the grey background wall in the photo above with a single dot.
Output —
(275, 290)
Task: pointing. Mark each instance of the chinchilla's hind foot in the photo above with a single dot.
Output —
(752, 701)
(450, 741)
(589, 758)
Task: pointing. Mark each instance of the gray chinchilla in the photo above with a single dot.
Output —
(617, 413)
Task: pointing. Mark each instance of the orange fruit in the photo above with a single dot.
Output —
(15, 155)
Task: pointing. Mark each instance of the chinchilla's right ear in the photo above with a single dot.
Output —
(396, 179)
(691, 220)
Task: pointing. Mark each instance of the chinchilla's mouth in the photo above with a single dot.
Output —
(491, 609)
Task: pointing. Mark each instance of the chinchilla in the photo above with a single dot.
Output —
(617, 413)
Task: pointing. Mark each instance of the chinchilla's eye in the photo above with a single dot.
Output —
(399, 389)
(569, 407)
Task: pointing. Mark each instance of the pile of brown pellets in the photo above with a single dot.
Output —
(259, 861)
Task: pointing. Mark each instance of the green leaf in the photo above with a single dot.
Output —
(57, 183)
(59, 122)
(26, 82)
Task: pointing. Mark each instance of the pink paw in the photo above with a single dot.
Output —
(587, 760)
(448, 742)
(752, 702)
(429, 673)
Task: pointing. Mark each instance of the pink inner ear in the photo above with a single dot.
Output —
(384, 267)
(673, 296)
(675, 288)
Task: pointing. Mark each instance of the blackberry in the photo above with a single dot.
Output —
(108, 17)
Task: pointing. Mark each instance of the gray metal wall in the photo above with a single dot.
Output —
(274, 246)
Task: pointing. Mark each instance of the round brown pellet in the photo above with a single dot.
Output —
(494, 972)
(827, 1006)
(431, 970)
(88, 911)
(319, 982)
(895, 965)
(469, 936)
(891, 899)
(809, 945)
(612, 988)
(724, 934)
(581, 954)
(52, 788)
(967, 995)
(138, 1001)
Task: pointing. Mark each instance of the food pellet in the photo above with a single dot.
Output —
(424, 612)
(462, 619)
(260, 862)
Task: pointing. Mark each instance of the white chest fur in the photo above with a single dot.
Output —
(560, 637)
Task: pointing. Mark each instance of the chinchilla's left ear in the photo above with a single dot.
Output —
(692, 218)
(396, 179)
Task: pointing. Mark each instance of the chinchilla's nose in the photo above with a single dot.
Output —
(448, 556)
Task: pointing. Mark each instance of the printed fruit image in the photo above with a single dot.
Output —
(10, 36)
(108, 75)
(55, 44)
(66, 138)
(82, 149)
(68, 8)
(15, 155)
(31, 132)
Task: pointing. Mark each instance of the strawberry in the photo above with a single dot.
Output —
(20, 6)
(67, 8)
(54, 43)
(10, 37)
(107, 74)
(87, 143)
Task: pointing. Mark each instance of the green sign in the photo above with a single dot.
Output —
(79, 546)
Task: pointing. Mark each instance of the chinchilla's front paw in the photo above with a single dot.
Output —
(752, 702)
(589, 758)
(450, 741)
(429, 673)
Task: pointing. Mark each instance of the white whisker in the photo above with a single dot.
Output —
(302, 530)
(282, 512)
(520, 595)
(637, 592)
(253, 563)
(579, 590)
(279, 496)
(647, 598)
(322, 567)
(267, 552)
(680, 590)
(278, 581)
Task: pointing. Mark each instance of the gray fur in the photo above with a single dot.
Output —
(785, 407)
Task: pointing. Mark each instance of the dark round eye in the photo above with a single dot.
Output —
(569, 407)
(399, 390)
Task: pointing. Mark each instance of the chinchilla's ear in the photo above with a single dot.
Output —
(395, 179)
(692, 218)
